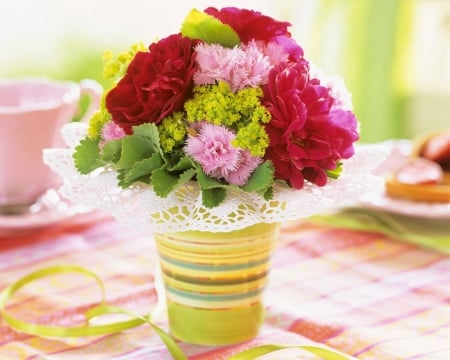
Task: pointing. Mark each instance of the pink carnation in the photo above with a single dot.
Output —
(245, 167)
(212, 149)
(239, 67)
(275, 52)
(112, 131)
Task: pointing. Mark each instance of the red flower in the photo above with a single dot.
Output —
(250, 24)
(306, 136)
(156, 84)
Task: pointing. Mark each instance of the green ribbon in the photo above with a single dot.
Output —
(115, 327)
(429, 233)
(322, 351)
(83, 330)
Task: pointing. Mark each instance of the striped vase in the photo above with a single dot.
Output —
(214, 282)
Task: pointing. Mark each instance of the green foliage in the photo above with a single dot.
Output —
(150, 133)
(96, 122)
(182, 164)
(261, 180)
(87, 156)
(116, 67)
(252, 137)
(163, 182)
(198, 25)
(241, 111)
(214, 103)
(134, 148)
(213, 197)
(135, 156)
(142, 170)
(213, 191)
(335, 173)
(140, 158)
(207, 182)
(172, 132)
(112, 151)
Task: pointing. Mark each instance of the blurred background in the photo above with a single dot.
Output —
(394, 55)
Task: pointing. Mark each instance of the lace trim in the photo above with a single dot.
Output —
(182, 210)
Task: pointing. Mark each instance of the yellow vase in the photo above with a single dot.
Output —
(214, 282)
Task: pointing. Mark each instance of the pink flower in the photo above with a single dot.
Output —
(239, 67)
(256, 66)
(244, 168)
(112, 131)
(212, 149)
(216, 63)
(335, 84)
(307, 135)
(275, 52)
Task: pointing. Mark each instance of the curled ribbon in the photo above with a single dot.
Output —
(115, 327)
(87, 329)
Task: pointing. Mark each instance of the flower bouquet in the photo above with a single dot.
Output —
(211, 137)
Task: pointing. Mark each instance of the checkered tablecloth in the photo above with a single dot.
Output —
(359, 292)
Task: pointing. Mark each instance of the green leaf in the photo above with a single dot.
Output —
(121, 175)
(267, 194)
(142, 170)
(213, 197)
(163, 182)
(261, 179)
(111, 151)
(213, 191)
(186, 176)
(183, 164)
(134, 148)
(198, 25)
(207, 182)
(87, 156)
(335, 173)
(150, 132)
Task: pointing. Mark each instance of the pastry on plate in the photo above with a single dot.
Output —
(426, 176)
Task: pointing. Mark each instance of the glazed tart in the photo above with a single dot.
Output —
(419, 192)
(426, 177)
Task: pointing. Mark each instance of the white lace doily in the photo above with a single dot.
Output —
(182, 210)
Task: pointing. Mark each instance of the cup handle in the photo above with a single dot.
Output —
(93, 90)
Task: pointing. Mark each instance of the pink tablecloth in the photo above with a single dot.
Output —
(359, 292)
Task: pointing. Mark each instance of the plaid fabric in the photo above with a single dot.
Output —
(359, 292)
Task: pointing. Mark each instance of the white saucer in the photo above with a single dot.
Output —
(400, 154)
(49, 210)
(385, 203)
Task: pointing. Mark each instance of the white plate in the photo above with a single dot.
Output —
(400, 152)
(382, 202)
(50, 210)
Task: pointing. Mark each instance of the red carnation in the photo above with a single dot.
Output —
(250, 24)
(156, 84)
(306, 136)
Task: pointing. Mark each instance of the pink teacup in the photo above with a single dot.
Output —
(32, 111)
